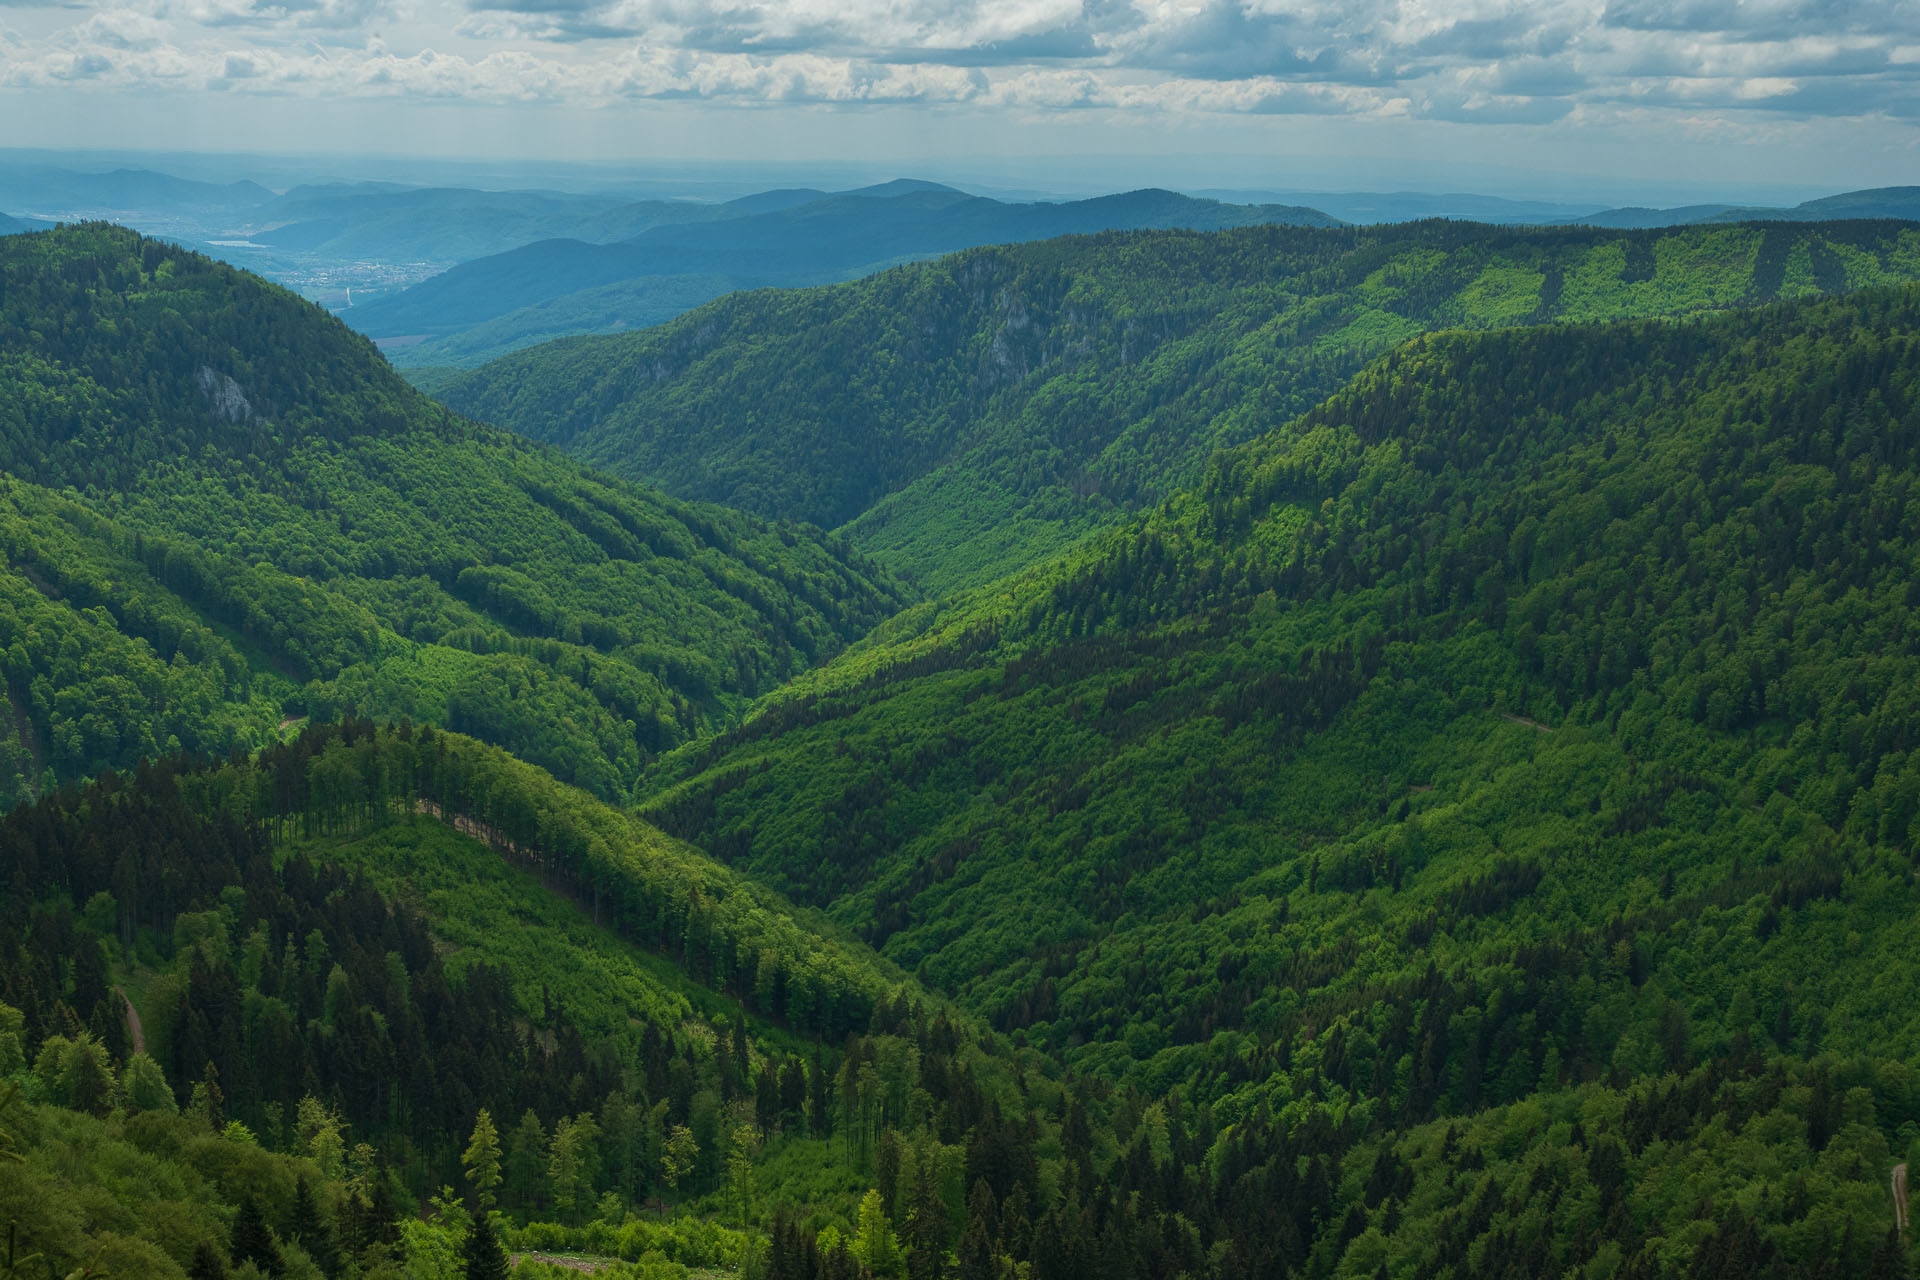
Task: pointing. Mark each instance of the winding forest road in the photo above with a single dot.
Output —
(135, 1032)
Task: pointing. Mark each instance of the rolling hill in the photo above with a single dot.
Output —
(452, 224)
(1879, 202)
(224, 510)
(530, 293)
(1532, 716)
(1467, 831)
(68, 193)
(961, 418)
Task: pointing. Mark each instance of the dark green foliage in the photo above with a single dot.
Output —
(1471, 832)
(208, 1263)
(960, 419)
(309, 1229)
(262, 520)
(481, 1256)
(1526, 724)
(253, 1241)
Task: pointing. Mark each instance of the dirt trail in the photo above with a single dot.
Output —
(1900, 1198)
(586, 1266)
(1531, 724)
(135, 1032)
(468, 827)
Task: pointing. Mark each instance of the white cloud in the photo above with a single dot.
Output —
(1495, 61)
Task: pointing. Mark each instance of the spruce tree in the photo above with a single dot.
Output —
(252, 1240)
(481, 1254)
(482, 1160)
(207, 1263)
(311, 1229)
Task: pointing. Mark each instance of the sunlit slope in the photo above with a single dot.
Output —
(960, 419)
(254, 500)
(1526, 652)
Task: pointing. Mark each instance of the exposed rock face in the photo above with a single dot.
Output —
(225, 395)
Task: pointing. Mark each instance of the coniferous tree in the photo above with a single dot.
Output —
(208, 1262)
(482, 1160)
(309, 1229)
(526, 1158)
(978, 1256)
(481, 1254)
(252, 1240)
(926, 1224)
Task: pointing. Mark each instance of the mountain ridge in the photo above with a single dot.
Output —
(251, 489)
(832, 238)
(960, 418)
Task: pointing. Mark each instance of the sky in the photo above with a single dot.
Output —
(1568, 98)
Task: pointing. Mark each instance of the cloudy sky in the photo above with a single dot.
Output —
(1248, 92)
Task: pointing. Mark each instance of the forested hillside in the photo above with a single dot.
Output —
(223, 510)
(554, 286)
(1523, 734)
(962, 418)
(435, 981)
(1468, 832)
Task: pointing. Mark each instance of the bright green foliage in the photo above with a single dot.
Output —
(482, 1160)
(145, 1086)
(300, 967)
(148, 1195)
(1534, 715)
(962, 418)
(1471, 832)
(572, 1165)
(263, 520)
(874, 1244)
(678, 1155)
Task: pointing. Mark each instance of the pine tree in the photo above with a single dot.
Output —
(208, 1264)
(252, 1240)
(526, 1158)
(1890, 1259)
(481, 1254)
(874, 1243)
(926, 1224)
(482, 1160)
(978, 1260)
(310, 1229)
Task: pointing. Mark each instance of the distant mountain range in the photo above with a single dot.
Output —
(1883, 202)
(484, 308)
(1411, 206)
(961, 419)
(451, 224)
(456, 276)
(51, 193)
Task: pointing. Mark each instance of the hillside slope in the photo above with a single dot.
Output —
(1470, 834)
(359, 945)
(450, 224)
(962, 418)
(562, 286)
(1526, 655)
(258, 519)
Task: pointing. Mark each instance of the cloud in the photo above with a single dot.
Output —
(1508, 62)
(332, 15)
(121, 29)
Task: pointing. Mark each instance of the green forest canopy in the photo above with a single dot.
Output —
(1468, 833)
(963, 418)
(222, 509)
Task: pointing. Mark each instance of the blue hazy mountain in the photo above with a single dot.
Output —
(565, 286)
(1901, 203)
(52, 192)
